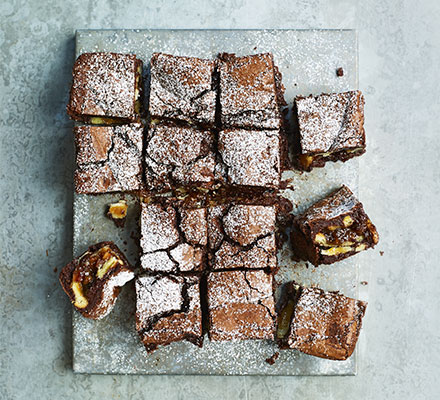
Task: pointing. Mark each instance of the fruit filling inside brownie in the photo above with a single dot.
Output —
(332, 229)
(92, 266)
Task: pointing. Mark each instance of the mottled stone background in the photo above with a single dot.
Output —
(400, 185)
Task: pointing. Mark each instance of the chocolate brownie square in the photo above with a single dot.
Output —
(182, 88)
(108, 158)
(241, 305)
(93, 280)
(179, 156)
(322, 324)
(173, 238)
(330, 127)
(332, 229)
(251, 93)
(168, 310)
(242, 236)
(250, 158)
(106, 88)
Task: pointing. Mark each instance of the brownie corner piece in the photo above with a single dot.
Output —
(182, 88)
(108, 158)
(241, 305)
(332, 229)
(329, 127)
(173, 238)
(250, 91)
(93, 280)
(250, 157)
(318, 323)
(168, 310)
(242, 236)
(179, 156)
(106, 88)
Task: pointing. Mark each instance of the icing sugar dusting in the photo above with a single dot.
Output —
(331, 121)
(252, 157)
(104, 84)
(181, 88)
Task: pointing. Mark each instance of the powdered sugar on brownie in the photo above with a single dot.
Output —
(109, 159)
(331, 121)
(104, 84)
(158, 227)
(241, 305)
(248, 95)
(173, 238)
(178, 155)
(252, 158)
(182, 88)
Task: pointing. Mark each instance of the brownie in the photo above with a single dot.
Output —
(242, 236)
(250, 158)
(182, 88)
(108, 158)
(93, 280)
(251, 93)
(168, 310)
(322, 324)
(178, 156)
(329, 127)
(106, 88)
(173, 238)
(332, 229)
(241, 305)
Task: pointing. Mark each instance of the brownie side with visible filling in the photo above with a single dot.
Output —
(168, 310)
(250, 94)
(332, 229)
(182, 88)
(108, 158)
(250, 158)
(93, 280)
(322, 324)
(241, 305)
(173, 238)
(106, 88)
(329, 127)
(178, 156)
(242, 236)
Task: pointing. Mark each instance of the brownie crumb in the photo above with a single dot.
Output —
(55, 270)
(271, 360)
(381, 253)
(364, 283)
(47, 253)
(339, 72)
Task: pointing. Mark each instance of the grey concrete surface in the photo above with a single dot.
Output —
(400, 187)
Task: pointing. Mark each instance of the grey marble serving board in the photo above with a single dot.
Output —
(308, 61)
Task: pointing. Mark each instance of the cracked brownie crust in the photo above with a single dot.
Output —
(332, 229)
(168, 310)
(322, 324)
(178, 155)
(242, 237)
(330, 127)
(93, 280)
(173, 238)
(106, 88)
(249, 96)
(250, 158)
(241, 305)
(182, 88)
(108, 159)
